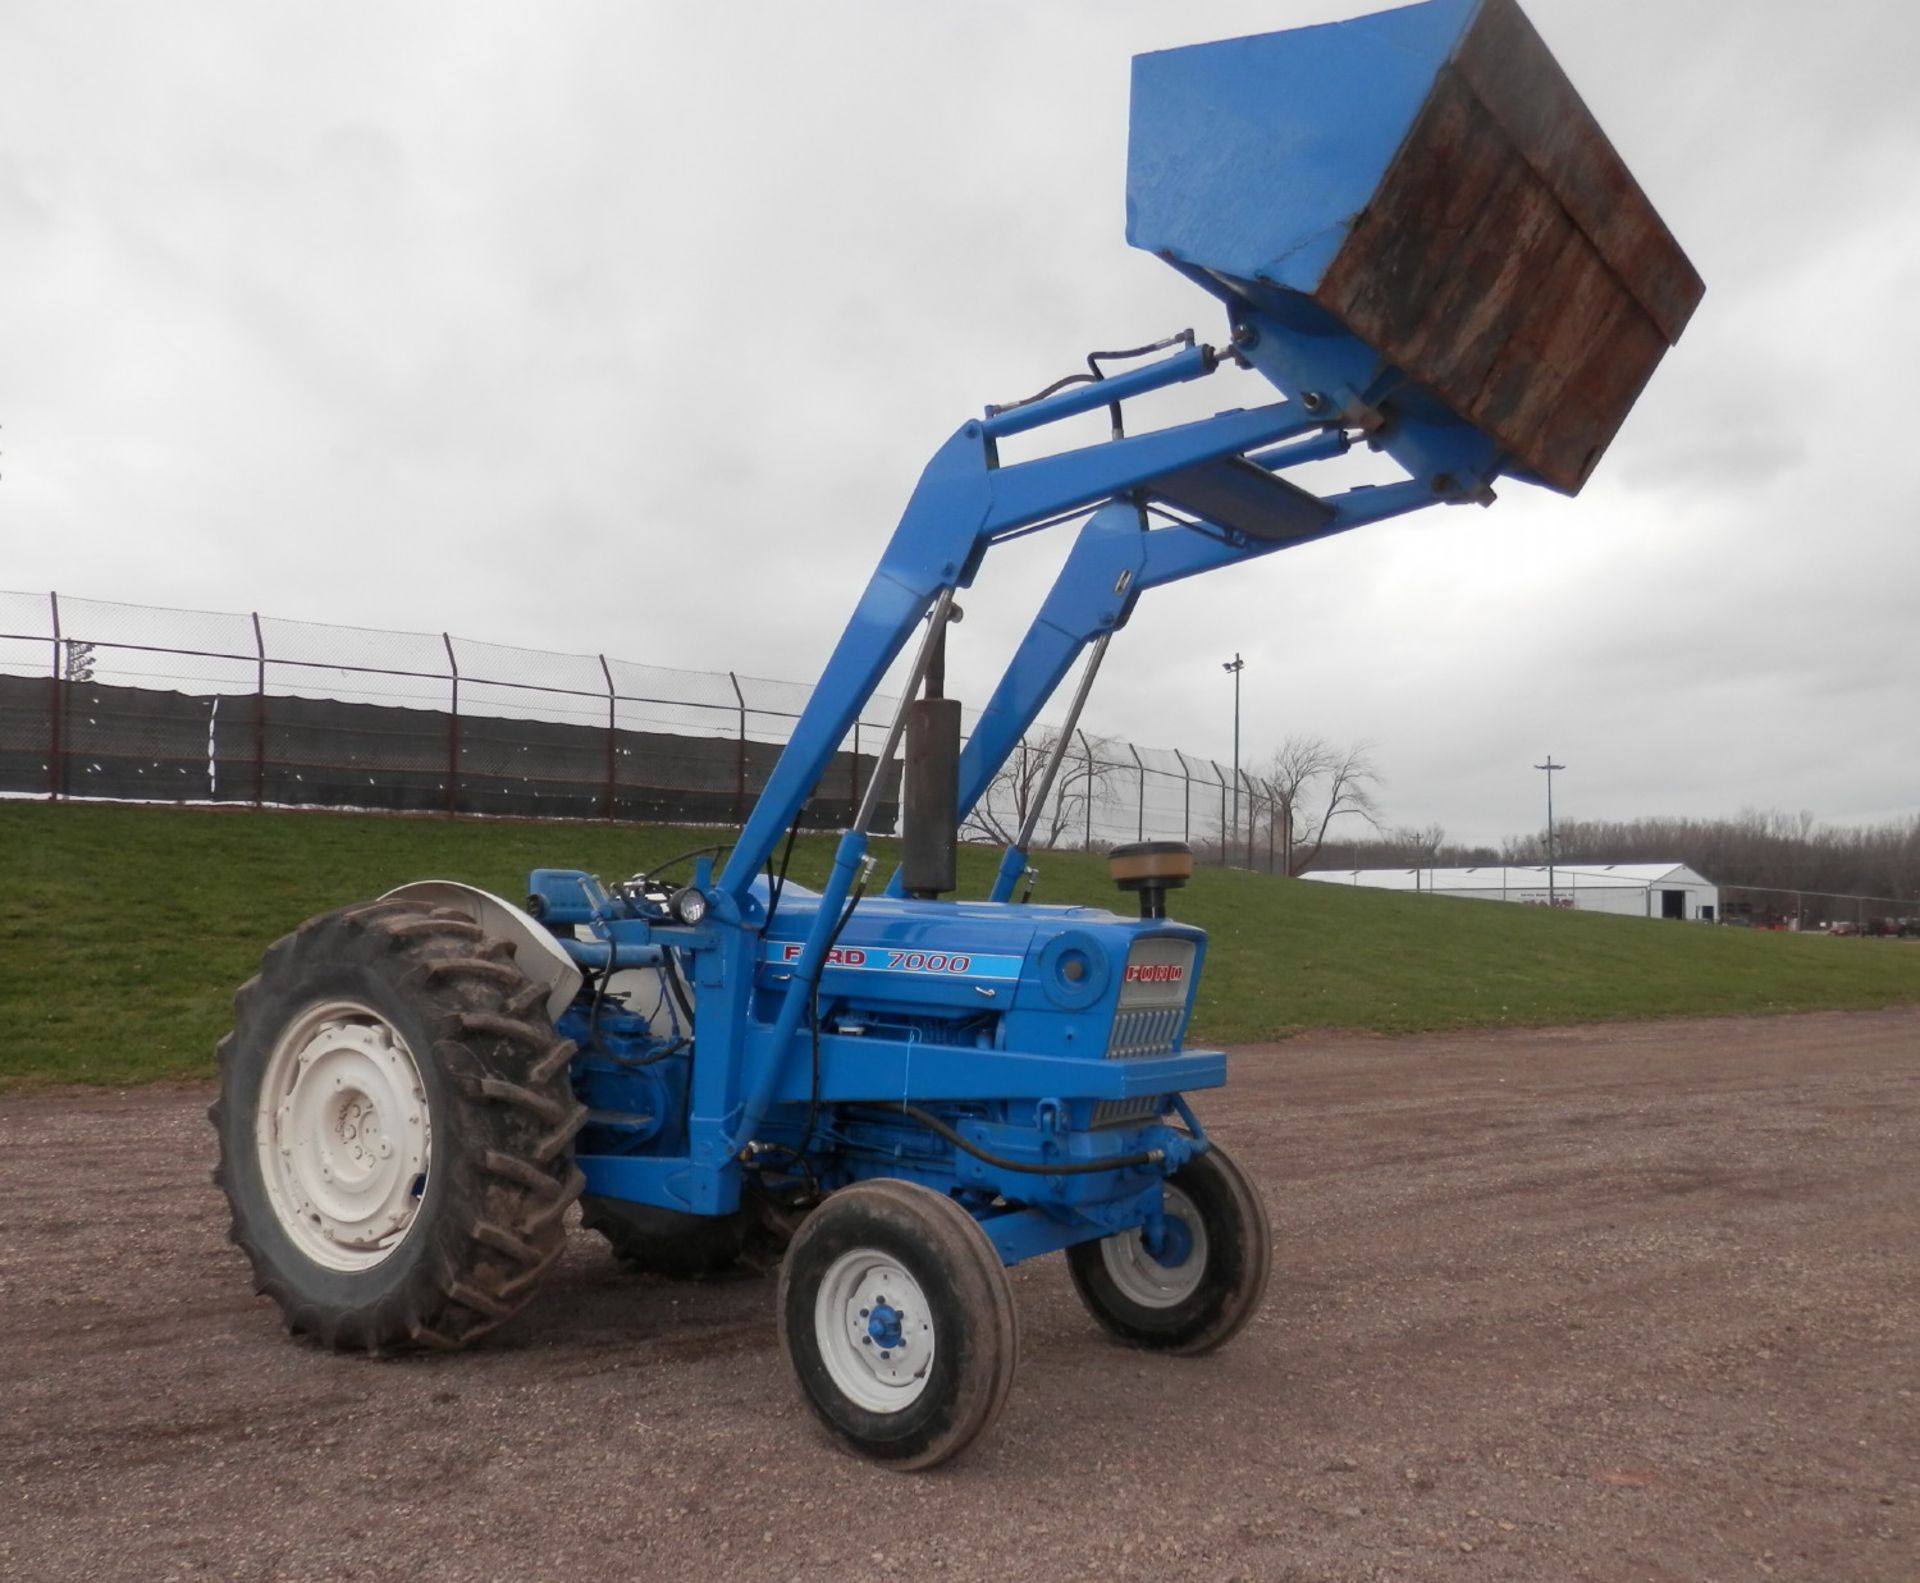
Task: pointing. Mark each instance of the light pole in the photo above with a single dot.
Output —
(1550, 767)
(1235, 665)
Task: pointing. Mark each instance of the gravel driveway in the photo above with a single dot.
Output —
(1633, 1302)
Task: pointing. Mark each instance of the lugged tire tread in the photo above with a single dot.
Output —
(510, 1115)
(569, 1193)
(411, 928)
(481, 1302)
(478, 967)
(371, 909)
(558, 1058)
(492, 1234)
(526, 1000)
(545, 1106)
(517, 1029)
(554, 1142)
(511, 1290)
(514, 1169)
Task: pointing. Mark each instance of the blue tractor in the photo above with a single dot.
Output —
(1427, 248)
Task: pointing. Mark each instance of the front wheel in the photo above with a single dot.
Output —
(1206, 1278)
(897, 1317)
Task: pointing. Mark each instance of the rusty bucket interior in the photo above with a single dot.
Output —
(1430, 182)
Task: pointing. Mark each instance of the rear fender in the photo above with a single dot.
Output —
(537, 953)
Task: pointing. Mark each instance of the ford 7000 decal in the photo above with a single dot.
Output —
(947, 964)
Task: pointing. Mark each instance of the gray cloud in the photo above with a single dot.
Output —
(629, 328)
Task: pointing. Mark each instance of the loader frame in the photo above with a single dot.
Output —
(751, 1072)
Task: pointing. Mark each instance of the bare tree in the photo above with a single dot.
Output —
(1417, 848)
(1346, 790)
(1297, 763)
(1760, 850)
(1309, 784)
(1407, 847)
(1086, 772)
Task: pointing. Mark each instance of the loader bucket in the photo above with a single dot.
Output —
(1428, 180)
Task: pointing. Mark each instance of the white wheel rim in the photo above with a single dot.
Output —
(875, 1330)
(344, 1135)
(1144, 1279)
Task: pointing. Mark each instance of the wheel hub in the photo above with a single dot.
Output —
(344, 1135)
(1162, 1271)
(1173, 1245)
(875, 1329)
(884, 1326)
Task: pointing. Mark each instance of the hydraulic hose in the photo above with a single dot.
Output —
(1122, 1162)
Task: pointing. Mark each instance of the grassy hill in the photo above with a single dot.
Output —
(123, 932)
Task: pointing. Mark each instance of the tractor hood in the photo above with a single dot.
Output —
(980, 960)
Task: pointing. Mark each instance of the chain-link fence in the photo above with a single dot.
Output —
(1819, 911)
(131, 702)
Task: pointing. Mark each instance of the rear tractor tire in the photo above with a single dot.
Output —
(1209, 1276)
(897, 1317)
(395, 1125)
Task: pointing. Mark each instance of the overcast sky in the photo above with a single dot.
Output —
(629, 327)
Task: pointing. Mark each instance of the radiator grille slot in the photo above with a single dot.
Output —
(1148, 1031)
(1136, 1036)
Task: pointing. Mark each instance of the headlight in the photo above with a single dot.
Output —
(690, 905)
(1074, 970)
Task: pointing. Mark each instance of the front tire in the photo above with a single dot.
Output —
(1209, 1276)
(395, 1126)
(897, 1317)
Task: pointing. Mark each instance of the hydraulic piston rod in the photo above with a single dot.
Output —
(1014, 863)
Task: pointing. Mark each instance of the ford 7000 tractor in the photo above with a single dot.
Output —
(1423, 244)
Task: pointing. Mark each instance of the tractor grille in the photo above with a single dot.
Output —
(1153, 1010)
(1148, 1031)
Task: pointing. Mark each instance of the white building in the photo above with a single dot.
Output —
(1636, 890)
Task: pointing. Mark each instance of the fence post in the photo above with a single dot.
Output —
(1022, 793)
(1247, 786)
(1140, 824)
(1226, 835)
(259, 715)
(453, 729)
(1186, 798)
(1089, 747)
(853, 774)
(55, 768)
(740, 755)
(612, 731)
